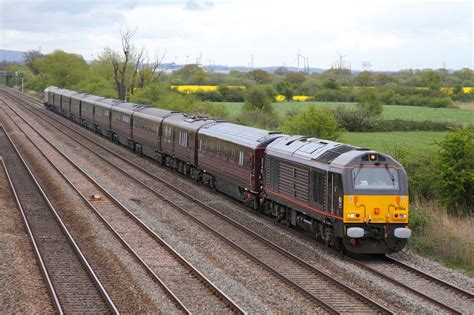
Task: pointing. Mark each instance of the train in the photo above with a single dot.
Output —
(353, 199)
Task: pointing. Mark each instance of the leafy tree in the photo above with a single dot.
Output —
(464, 74)
(455, 165)
(260, 76)
(330, 84)
(365, 78)
(258, 98)
(30, 57)
(200, 77)
(191, 74)
(314, 122)
(370, 102)
(431, 79)
(61, 69)
(383, 79)
(295, 78)
(284, 89)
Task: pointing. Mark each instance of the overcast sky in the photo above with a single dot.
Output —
(390, 35)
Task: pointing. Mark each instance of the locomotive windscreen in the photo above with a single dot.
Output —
(375, 178)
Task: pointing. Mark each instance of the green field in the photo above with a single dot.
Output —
(387, 141)
(453, 115)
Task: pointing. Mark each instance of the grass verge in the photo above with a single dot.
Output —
(442, 237)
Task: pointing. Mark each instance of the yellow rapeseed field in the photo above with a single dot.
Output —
(202, 88)
(301, 98)
(189, 89)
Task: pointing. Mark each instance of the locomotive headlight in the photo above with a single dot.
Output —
(373, 157)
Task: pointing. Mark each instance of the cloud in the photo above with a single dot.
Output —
(391, 35)
(194, 5)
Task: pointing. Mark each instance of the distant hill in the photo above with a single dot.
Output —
(226, 69)
(12, 55)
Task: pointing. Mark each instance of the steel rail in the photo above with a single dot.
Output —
(234, 306)
(103, 292)
(227, 219)
(405, 286)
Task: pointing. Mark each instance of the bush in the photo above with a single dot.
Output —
(329, 95)
(161, 96)
(416, 100)
(410, 125)
(259, 98)
(354, 120)
(232, 94)
(420, 169)
(455, 165)
(360, 121)
(370, 103)
(258, 119)
(211, 96)
(314, 122)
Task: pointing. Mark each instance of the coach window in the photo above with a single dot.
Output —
(241, 158)
(183, 139)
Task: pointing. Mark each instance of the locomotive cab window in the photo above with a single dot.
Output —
(381, 178)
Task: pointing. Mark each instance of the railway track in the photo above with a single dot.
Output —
(72, 283)
(318, 286)
(191, 291)
(419, 283)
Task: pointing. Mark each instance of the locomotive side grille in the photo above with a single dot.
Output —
(293, 182)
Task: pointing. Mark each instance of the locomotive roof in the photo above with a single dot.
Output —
(243, 135)
(321, 153)
(188, 122)
(155, 114)
(305, 150)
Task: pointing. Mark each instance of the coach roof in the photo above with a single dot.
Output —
(243, 135)
(153, 114)
(187, 122)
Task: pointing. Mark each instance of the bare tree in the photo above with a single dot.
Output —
(133, 70)
(121, 65)
(136, 69)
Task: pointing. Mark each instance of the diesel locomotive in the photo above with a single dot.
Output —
(353, 199)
